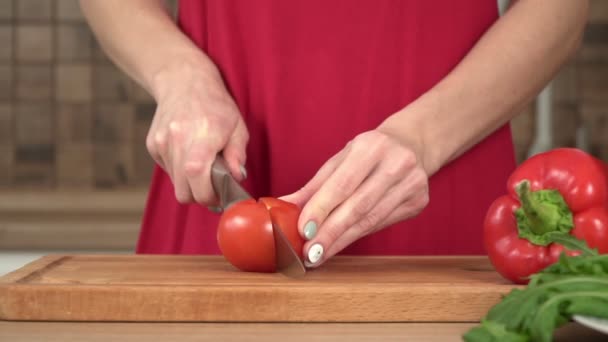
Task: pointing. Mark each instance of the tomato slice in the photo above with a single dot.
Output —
(245, 236)
(286, 218)
(271, 202)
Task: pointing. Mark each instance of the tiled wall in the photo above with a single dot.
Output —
(69, 118)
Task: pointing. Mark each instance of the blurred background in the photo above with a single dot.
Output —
(74, 169)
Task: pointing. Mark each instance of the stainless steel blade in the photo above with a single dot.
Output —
(288, 262)
(226, 187)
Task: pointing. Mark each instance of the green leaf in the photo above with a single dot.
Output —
(558, 310)
(493, 332)
(573, 265)
(589, 306)
(573, 285)
(516, 315)
(545, 320)
(570, 242)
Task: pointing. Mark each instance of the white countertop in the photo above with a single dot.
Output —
(12, 260)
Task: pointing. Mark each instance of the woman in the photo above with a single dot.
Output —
(386, 121)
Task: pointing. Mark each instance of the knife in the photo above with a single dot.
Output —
(286, 257)
(229, 192)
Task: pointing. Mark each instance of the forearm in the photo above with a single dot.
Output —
(142, 39)
(506, 69)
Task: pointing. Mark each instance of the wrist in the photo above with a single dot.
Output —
(181, 68)
(403, 133)
(409, 127)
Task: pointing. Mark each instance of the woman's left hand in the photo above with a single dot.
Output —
(375, 181)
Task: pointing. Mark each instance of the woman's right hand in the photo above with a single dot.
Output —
(195, 119)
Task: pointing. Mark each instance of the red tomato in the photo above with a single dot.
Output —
(286, 217)
(245, 233)
(245, 238)
(271, 202)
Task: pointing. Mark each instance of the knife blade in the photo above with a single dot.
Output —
(288, 262)
(230, 192)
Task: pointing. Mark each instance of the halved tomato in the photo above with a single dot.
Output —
(245, 236)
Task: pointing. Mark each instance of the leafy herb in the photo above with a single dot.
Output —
(576, 285)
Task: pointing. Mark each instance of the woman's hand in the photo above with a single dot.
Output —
(195, 120)
(375, 181)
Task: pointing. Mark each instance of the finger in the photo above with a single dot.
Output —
(303, 195)
(176, 156)
(155, 142)
(325, 245)
(197, 166)
(347, 177)
(406, 191)
(406, 210)
(358, 207)
(235, 151)
(162, 140)
(161, 143)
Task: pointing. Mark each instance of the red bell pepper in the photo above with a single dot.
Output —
(557, 201)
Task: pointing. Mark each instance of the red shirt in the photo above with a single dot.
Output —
(308, 76)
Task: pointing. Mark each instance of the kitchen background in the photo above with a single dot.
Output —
(73, 163)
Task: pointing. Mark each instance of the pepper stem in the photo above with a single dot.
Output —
(541, 212)
(543, 216)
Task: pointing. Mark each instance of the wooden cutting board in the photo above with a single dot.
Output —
(207, 288)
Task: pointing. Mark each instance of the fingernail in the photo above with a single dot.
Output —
(215, 209)
(310, 230)
(243, 171)
(315, 253)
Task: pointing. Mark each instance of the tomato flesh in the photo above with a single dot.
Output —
(286, 218)
(245, 235)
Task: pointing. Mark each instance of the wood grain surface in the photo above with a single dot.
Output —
(257, 332)
(208, 289)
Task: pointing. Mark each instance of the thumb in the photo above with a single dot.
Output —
(301, 197)
(235, 151)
